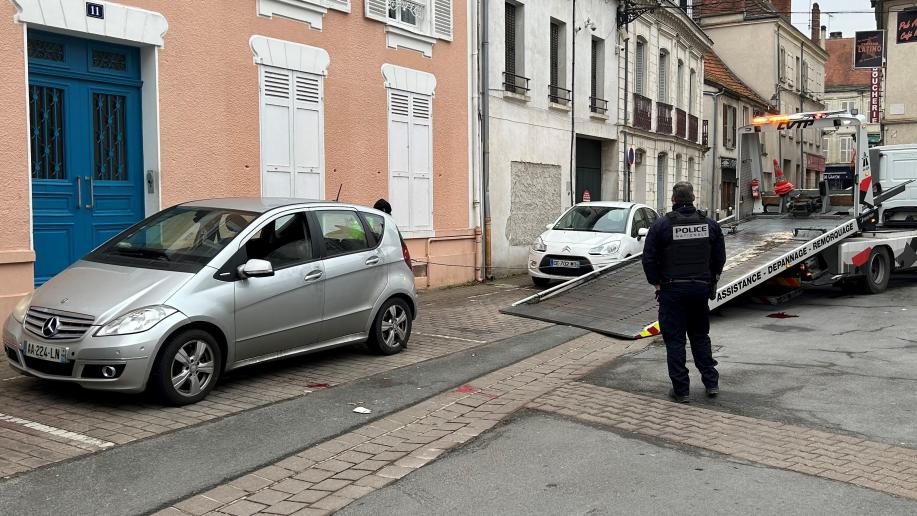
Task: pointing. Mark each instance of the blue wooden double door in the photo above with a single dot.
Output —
(86, 146)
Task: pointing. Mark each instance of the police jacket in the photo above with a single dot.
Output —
(683, 245)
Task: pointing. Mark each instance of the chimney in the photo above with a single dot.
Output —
(784, 7)
(816, 23)
(837, 35)
(824, 35)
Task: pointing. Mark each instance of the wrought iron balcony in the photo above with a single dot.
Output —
(705, 138)
(643, 112)
(515, 83)
(681, 123)
(663, 118)
(597, 105)
(559, 95)
(692, 128)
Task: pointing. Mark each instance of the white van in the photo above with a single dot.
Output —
(893, 165)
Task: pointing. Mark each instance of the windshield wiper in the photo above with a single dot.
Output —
(143, 253)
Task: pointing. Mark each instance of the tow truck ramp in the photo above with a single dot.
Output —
(618, 301)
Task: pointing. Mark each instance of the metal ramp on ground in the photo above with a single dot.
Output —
(618, 301)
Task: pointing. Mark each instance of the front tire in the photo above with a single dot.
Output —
(878, 271)
(188, 367)
(391, 328)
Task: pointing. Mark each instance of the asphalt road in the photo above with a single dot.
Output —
(540, 464)
(144, 476)
(844, 363)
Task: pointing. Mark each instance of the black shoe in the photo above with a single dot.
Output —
(712, 392)
(678, 398)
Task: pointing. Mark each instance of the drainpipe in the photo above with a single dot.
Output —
(573, 107)
(627, 172)
(485, 137)
(715, 145)
(802, 133)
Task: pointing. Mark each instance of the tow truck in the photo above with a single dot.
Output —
(846, 239)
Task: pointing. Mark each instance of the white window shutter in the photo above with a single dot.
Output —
(399, 156)
(308, 137)
(442, 19)
(377, 9)
(421, 163)
(276, 146)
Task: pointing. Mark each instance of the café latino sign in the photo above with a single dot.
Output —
(907, 27)
(867, 49)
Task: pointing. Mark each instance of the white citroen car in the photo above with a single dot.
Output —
(589, 236)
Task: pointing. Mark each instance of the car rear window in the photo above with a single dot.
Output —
(376, 225)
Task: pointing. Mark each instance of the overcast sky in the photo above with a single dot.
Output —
(834, 15)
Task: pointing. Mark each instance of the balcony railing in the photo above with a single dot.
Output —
(597, 105)
(559, 95)
(681, 123)
(663, 118)
(515, 83)
(704, 134)
(643, 113)
(692, 128)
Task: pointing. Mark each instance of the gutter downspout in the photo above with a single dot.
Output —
(802, 132)
(573, 108)
(715, 144)
(485, 137)
(626, 103)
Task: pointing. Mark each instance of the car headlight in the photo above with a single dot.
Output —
(539, 245)
(605, 249)
(137, 321)
(22, 307)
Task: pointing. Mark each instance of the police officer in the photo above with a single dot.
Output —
(683, 257)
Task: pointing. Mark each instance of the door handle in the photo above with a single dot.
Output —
(372, 260)
(79, 192)
(92, 193)
(314, 275)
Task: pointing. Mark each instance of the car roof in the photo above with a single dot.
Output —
(262, 204)
(610, 204)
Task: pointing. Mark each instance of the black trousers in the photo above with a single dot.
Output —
(683, 315)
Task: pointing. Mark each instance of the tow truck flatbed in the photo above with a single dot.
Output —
(618, 301)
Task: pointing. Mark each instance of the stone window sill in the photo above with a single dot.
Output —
(519, 97)
(598, 117)
(397, 37)
(559, 107)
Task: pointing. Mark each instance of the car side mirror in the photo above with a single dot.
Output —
(642, 232)
(256, 269)
(549, 226)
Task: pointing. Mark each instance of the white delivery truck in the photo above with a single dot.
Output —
(855, 238)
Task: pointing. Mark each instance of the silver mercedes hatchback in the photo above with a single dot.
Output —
(209, 286)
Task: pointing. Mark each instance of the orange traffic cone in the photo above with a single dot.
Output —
(781, 185)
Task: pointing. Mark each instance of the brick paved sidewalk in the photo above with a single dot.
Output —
(845, 458)
(42, 423)
(331, 475)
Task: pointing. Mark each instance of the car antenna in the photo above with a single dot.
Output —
(338, 196)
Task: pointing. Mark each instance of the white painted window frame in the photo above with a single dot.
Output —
(306, 11)
(421, 37)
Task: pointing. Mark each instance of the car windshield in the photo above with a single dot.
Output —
(601, 219)
(179, 238)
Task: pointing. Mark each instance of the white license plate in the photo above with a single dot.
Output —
(569, 264)
(45, 352)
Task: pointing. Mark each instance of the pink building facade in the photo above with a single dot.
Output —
(116, 110)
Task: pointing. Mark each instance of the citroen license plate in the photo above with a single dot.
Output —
(45, 352)
(569, 264)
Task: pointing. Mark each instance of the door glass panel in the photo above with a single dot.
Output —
(342, 231)
(48, 50)
(46, 114)
(109, 60)
(283, 242)
(108, 128)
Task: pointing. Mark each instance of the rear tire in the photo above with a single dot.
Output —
(187, 368)
(878, 271)
(391, 328)
(540, 282)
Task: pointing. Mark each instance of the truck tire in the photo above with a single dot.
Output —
(878, 270)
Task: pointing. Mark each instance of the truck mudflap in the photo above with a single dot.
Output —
(618, 301)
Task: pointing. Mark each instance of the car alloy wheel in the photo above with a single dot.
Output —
(192, 368)
(394, 326)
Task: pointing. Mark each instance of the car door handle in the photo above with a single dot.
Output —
(372, 260)
(314, 275)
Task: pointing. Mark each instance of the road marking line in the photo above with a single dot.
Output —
(504, 290)
(450, 338)
(66, 434)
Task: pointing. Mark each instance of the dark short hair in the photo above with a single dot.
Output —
(683, 192)
(383, 205)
